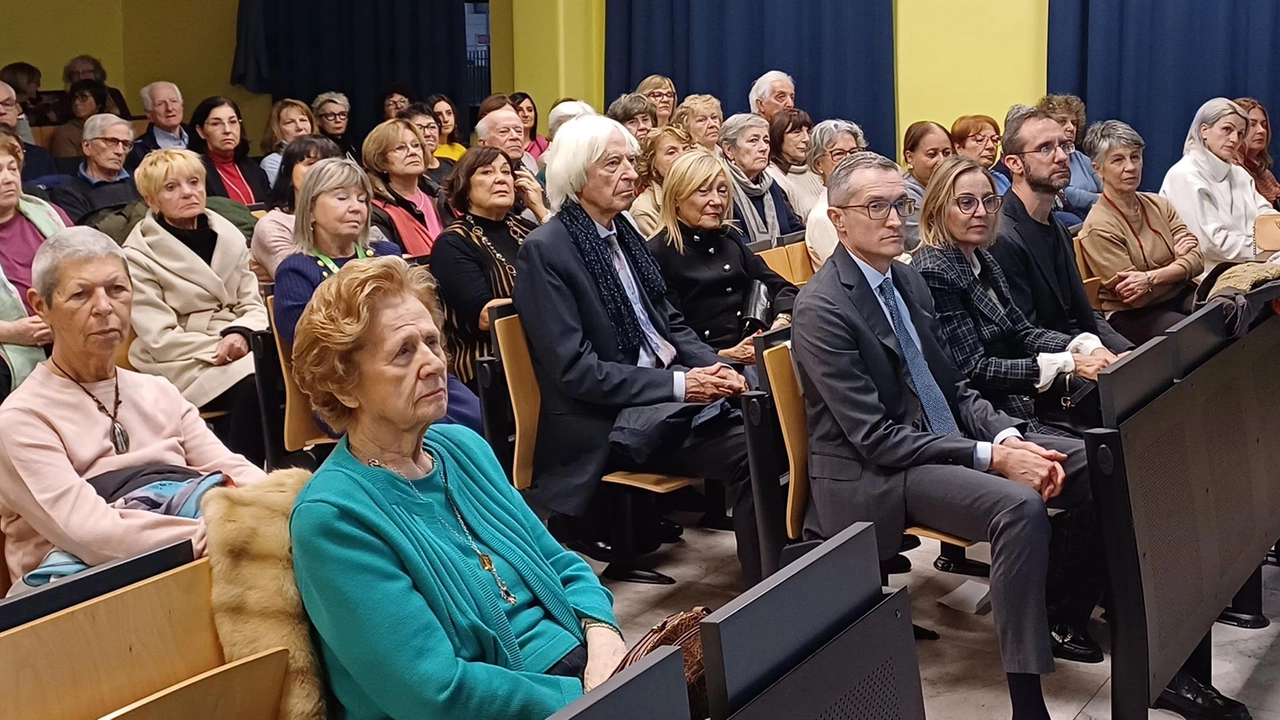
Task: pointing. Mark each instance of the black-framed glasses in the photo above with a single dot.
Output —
(114, 143)
(968, 204)
(1047, 151)
(331, 116)
(879, 209)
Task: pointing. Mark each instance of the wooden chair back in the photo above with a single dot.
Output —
(790, 261)
(512, 347)
(122, 352)
(1093, 286)
(43, 135)
(789, 403)
(300, 428)
(247, 689)
(1266, 232)
(101, 655)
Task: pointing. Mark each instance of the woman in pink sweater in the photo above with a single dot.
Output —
(78, 416)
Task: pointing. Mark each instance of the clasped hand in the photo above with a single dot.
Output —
(702, 385)
(1029, 464)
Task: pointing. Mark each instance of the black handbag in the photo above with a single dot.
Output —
(756, 308)
(1071, 403)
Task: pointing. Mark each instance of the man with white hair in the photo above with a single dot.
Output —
(102, 186)
(626, 385)
(504, 130)
(163, 103)
(37, 162)
(564, 112)
(772, 92)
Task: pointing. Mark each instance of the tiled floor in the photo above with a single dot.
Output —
(961, 673)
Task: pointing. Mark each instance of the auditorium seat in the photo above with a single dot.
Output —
(512, 348)
(122, 361)
(43, 135)
(300, 428)
(102, 655)
(790, 261)
(1092, 283)
(248, 689)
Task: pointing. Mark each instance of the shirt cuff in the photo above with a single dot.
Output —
(1085, 344)
(982, 450)
(1051, 365)
(677, 382)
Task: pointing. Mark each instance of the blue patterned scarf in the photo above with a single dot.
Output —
(598, 258)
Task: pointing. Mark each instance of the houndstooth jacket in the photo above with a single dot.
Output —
(990, 339)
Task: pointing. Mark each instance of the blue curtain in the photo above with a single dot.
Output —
(839, 52)
(301, 48)
(1152, 63)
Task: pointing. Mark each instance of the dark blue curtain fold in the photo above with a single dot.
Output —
(301, 48)
(840, 53)
(1152, 63)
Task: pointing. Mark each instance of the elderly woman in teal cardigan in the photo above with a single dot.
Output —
(434, 590)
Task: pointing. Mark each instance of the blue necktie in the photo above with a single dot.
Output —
(934, 403)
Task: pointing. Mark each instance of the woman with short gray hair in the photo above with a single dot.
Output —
(1216, 197)
(830, 142)
(330, 228)
(761, 210)
(79, 417)
(333, 115)
(1135, 242)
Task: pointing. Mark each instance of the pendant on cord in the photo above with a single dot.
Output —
(119, 438)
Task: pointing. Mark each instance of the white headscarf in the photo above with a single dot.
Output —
(1209, 114)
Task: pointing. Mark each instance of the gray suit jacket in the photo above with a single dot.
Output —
(866, 424)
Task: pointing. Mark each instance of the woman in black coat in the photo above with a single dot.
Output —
(708, 268)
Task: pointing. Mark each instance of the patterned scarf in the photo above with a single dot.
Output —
(598, 258)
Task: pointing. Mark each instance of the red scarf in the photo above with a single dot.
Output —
(417, 240)
(237, 188)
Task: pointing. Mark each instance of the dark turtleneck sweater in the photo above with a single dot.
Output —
(202, 241)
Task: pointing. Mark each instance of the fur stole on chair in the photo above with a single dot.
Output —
(256, 605)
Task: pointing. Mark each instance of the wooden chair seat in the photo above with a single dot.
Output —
(247, 689)
(925, 532)
(300, 428)
(660, 484)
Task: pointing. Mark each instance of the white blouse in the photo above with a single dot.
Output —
(1219, 204)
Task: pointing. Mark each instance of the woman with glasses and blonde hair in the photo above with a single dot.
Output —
(657, 152)
(708, 269)
(1007, 359)
(404, 200)
(977, 137)
(661, 91)
(289, 119)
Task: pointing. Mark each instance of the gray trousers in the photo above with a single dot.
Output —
(980, 506)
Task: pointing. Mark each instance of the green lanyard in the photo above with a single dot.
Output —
(325, 261)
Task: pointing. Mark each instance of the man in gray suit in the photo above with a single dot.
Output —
(898, 437)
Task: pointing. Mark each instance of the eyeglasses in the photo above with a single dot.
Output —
(10, 104)
(427, 130)
(331, 116)
(984, 139)
(1047, 151)
(879, 210)
(968, 204)
(392, 103)
(662, 95)
(838, 155)
(114, 143)
(404, 150)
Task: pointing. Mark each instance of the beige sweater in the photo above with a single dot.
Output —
(1109, 247)
(54, 439)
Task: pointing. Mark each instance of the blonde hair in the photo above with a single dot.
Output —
(691, 106)
(272, 140)
(378, 144)
(655, 82)
(649, 151)
(337, 323)
(161, 165)
(690, 171)
(939, 196)
(326, 175)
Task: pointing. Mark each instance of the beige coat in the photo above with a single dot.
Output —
(181, 307)
(647, 211)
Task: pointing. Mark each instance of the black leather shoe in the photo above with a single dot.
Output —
(1191, 699)
(1074, 644)
(896, 565)
(600, 551)
(669, 531)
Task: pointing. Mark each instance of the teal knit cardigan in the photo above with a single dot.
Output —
(404, 630)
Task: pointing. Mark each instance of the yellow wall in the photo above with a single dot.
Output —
(956, 59)
(48, 33)
(134, 39)
(558, 51)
